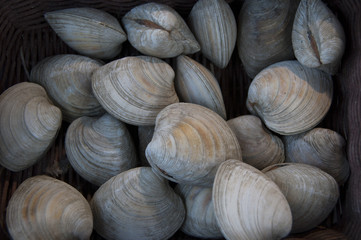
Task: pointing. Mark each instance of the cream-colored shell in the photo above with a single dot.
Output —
(67, 80)
(289, 97)
(29, 124)
(189, 143)
(214, 26)
(322, 148)
(260, 148)
(264, 33)
(46, 208)
(318, 38)
(200, 220)
(91, 32)
(310, 192)
(99, 148)
(137, 204)
(248, 204)
(135, 89)
(158, 30)
(145, 135)
(194, 83)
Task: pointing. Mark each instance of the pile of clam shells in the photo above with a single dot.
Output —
(259, 176)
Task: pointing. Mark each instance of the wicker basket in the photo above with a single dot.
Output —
(26, 38)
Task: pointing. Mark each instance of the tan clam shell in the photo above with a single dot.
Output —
(200, 220)
(322, 148)
(189, 143)
(157, 30)
(99, 148)
(67, 80)
(290, 98)
(194, 83)
(46, 208)
(260, 148)
(248, 205)
(264, 33)
(137, 204)
(135, 89)
(91, 32)
(29, 124)
(214, 26)
(145, 135)
(318, 38)
(310, 192)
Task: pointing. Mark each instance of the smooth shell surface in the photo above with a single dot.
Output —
(310, 192)
(158, 30)
(145, 135)
(89, 31)
(322, 148)
(135, 89)
(260, 148)
(189, 143)
(99, 148)
(29, 123)
(194, 83)
(137, 204)
(264, 33)
(67, 80)
(318, 38)
(214, 26)
(248, 204)
(290, 98)
(46, 208)
(200, 220)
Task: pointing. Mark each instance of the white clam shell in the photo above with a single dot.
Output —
(137, 204)
(29, 124)
(89, 31)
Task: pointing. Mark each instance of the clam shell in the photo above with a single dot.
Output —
(194, 83)
(46, 208)
(290, 98)
(67, 80)
(145, 135)
(135, 89)
(248, 205)
(189, 143)
(137, 204)
(264, 33)
(99, 148)
(322, 148)
(200, 220)
(310, 192)
(260, 148)
(214, 26)
(29, 124)
(318, 38)
(158, 30)
(89, 31)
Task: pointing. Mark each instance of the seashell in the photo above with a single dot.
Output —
(135, 89)
(189, 143)
(46, 208)
(260, 148)
(310, 192)
(29, 124)
(89, 31)
(214, 26)
(200, 220)
(264, 33)
(158, 30)
(99, 148)
(145, 135)
(137, 204)
(290, 98)
(67, 80)
(196, 84)
(318, 38)
(248, 205)
(322, 148)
